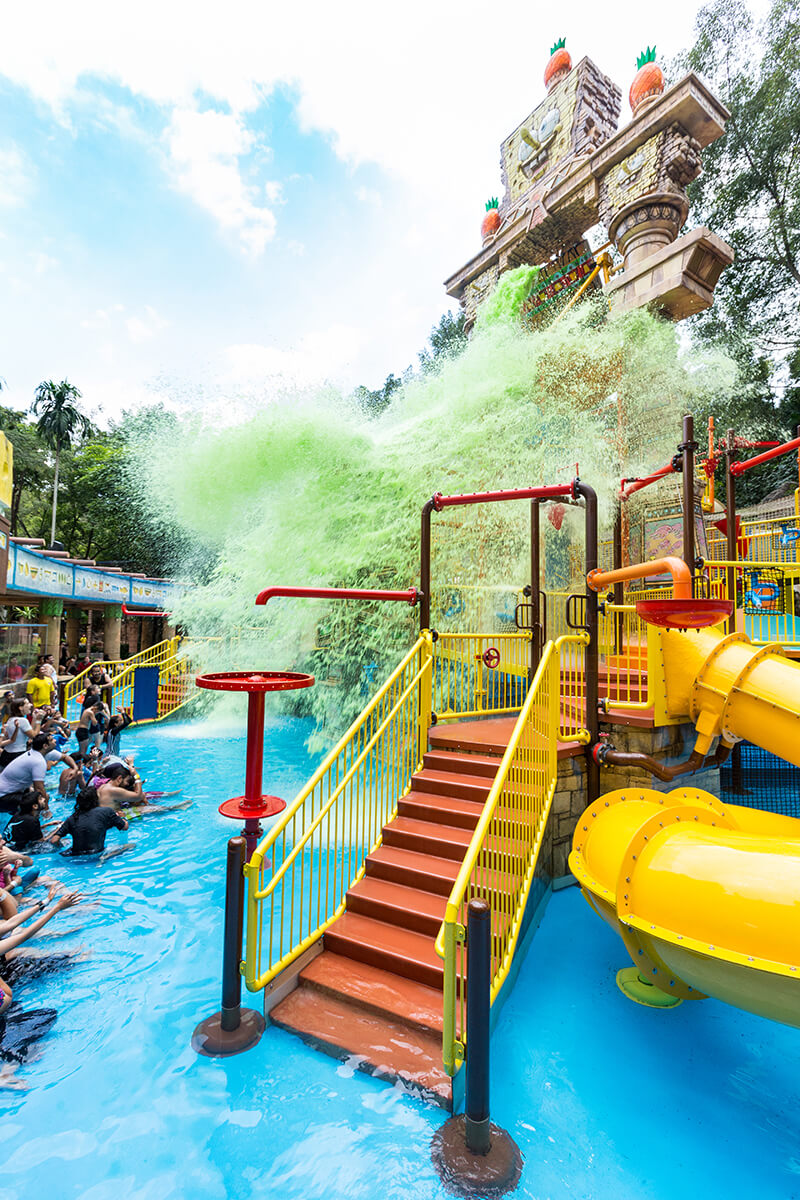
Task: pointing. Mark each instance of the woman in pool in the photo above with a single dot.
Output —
(16, 731)
(88, 825)
(120, 720)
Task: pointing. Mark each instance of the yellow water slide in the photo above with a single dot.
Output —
(705, 895)
(731, 688)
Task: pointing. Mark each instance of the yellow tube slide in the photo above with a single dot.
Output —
(705, 895)
(730, 687)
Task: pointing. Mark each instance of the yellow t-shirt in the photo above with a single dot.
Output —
(40, 691)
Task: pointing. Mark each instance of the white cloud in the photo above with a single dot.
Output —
(378, 80)
(205, 149)
(141, 329)
(16, 177)
(325, 354)
(43, 263)
(369, 196)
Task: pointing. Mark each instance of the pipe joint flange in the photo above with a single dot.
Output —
(737, 687)
(701, 679)
(647, 832)
(644, 954)
(596, 810)
(600, 751)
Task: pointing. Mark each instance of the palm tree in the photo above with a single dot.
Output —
(59, 424)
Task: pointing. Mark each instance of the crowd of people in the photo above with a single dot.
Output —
(35, 738)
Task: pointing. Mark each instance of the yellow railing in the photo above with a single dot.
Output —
(299, 875)
(176, 684)
(502, 856)
(766, 539)
(623, 649)
(765, 597)
(572, 686)
(465, 684)
(153, 656)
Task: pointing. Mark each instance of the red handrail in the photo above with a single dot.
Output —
(554, 491)
(411, 595)
(739, 468)
(144, 612)
(627, 487)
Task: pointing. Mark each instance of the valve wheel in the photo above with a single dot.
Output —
(491, 657)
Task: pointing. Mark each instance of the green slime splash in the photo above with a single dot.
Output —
(307, 490)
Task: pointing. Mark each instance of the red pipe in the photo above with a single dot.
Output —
(255, 751)
(556, 491)
(739, 468)
(411, 596)
(628, 487)
(144, 612)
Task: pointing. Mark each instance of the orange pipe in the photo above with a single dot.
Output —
(681, 576)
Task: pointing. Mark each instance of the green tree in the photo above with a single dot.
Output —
(749, 191)
(446, 340)
(60, 423)
(30, 470)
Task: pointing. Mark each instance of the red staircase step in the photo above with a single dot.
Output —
(446, 810)
(486, 736)
(453, 783)
(427, 837)
(375, 990)
(396, 904)
(408, 867)
(386, 946)
(383, 1047)
(465, 764)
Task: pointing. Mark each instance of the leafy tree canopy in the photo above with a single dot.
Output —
(749, 193)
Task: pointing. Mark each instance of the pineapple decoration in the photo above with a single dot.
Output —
(491, 222)
(648, 82)
(560, 64)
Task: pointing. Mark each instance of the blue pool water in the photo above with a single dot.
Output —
(604, 1098)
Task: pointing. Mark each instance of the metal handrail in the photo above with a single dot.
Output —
(172, 668)
(510, 831)
(464, 687)
(338, 816)
(152, 655)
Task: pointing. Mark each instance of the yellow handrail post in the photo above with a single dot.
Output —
(453, 1046)
(425, 706)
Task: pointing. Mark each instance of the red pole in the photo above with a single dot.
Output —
(410, 595)
(556, 491)
(255, 750)
(739, 468)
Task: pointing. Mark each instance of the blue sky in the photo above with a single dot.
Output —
(208, 202)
